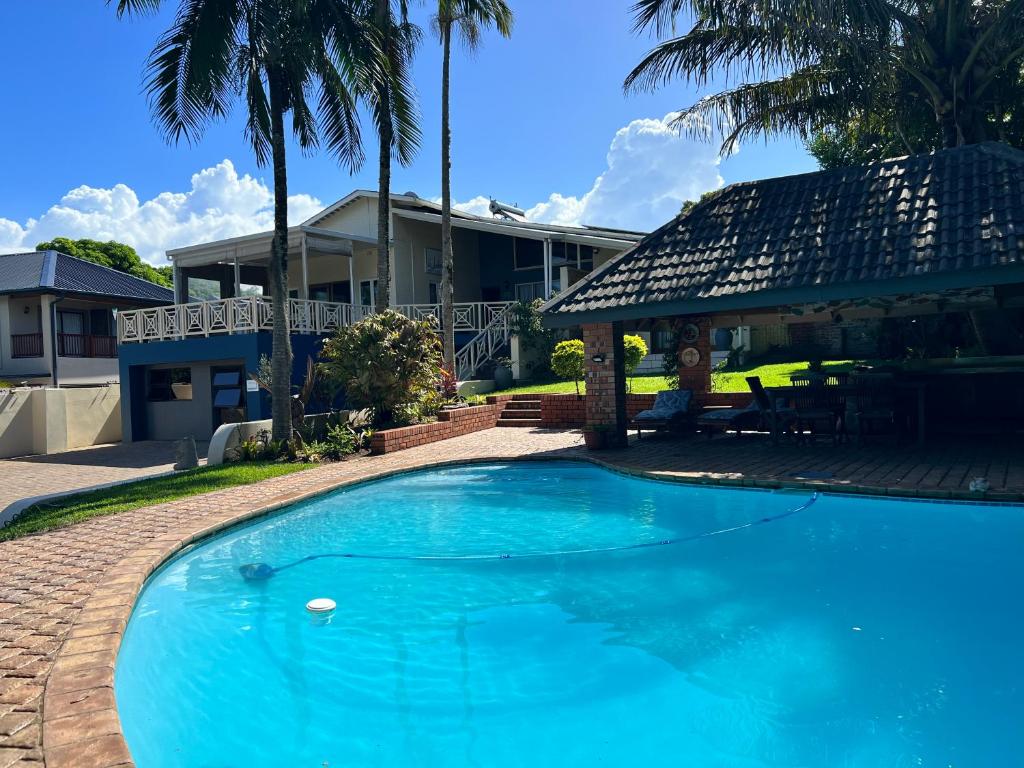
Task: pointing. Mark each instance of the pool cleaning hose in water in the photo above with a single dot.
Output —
(263, 571)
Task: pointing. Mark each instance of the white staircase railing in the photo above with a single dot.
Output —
(485, 345)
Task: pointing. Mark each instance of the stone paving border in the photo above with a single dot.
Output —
(80, 724)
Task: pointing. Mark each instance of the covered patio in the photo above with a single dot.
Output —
(922, 256)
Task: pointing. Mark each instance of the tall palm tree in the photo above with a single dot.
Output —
(389, 91)
(277, 57)
(953, 64)
(466, 18)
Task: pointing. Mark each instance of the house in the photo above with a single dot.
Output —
(57, 314)
(912, 237)
(185, 367)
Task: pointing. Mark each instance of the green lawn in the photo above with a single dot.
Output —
(65, 511)
(774, 375)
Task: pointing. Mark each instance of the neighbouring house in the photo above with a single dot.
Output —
(936, 237)
(185, 368)
(57, 317)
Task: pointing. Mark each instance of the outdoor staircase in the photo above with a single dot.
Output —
(522, 411)
(486, 345)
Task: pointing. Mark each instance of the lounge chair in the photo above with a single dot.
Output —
(671, 411)
(737, 419)
(776, 421)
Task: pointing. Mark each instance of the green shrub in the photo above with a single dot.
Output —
(636, 350)
(567, 361)
(384, 362)
(260, 447)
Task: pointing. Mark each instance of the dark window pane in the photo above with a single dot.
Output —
(226, 379)
(529, 254)
(227, 398)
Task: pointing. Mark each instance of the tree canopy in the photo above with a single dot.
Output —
(111, 254)
(871, 74)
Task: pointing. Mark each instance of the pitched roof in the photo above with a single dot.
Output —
(52, 271)
(953, 218)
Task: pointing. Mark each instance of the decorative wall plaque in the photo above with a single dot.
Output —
(690, 333)
(690, 357)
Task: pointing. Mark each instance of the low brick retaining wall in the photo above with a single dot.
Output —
(569, 411)
(449, 424)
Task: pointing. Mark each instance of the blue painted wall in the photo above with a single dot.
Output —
(134, 359)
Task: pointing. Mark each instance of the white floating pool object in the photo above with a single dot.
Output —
(321, 605)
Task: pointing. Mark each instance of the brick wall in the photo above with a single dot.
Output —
(448, 424)
(697, 378)
(570, 412)
(606, 380)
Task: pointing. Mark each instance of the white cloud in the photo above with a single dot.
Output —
(652, 169)
(220, 204)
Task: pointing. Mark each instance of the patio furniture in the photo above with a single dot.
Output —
(820, 378)
(750, 417)
(819, 410)
(777, 417)
(874, 407)
(671, 410)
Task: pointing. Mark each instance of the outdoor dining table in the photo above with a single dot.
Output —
(917, 387)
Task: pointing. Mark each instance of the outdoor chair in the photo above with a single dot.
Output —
(781, 418)
(749, 417)
(671, 410)
(874, 408)
(819, 410)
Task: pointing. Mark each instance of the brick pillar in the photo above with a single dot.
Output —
(697, 377)
(606, 380)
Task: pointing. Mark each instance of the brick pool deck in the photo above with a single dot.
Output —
(65, 596)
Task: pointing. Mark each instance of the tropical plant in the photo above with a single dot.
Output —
(111, 254)
(274, 56)
(387, 87)
(383, 362)
(466, 18)
(567, 361)
(803, 66)
(448, 385)
(526, 324)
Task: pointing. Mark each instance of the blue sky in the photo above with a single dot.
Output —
(537, 120)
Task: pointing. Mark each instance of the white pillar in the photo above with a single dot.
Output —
(238, 277)
(46, 317)
(5, 332)
(305, 269)
(353, 293)
(547, 270)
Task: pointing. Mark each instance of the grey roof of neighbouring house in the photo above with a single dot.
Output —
(950, 219)
(53, 272)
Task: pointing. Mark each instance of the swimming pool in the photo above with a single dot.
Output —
(854, 632)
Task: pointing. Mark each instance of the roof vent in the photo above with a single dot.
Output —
(507, 212)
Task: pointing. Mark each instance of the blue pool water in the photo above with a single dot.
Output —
(856, 633)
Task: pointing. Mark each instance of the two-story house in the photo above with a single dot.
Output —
(184, 368)
(57, 317)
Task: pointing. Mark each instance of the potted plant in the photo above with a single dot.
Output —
(502, 373)
(596, 436)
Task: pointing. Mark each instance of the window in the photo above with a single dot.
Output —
(433, 261)
(527, 254)
(368, 292)
(245, 289)
(101, 322)
(320, 292)
(434, 291)
(71, 322)
(201, 289)
(529, 291)
(165, 384)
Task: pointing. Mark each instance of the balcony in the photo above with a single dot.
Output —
(86, 345)
(26, 345)
(252, 314)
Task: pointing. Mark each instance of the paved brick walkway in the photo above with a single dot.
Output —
(65, 596)
(71, 470)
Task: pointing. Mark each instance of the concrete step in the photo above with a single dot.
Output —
(521, 413)
(518, 422)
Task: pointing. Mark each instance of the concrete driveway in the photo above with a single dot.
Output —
(26, 479)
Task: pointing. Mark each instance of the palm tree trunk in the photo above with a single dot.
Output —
(384, 182)
(281, 352)
(447, 254)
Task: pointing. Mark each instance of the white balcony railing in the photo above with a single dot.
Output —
(250, 314)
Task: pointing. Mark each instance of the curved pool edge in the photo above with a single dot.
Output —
(80, 719)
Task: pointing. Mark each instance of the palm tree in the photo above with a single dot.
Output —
(466, 18)
(275, 56)
(953, 66)
(388, 89)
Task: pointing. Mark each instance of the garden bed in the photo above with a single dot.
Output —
(449, 424)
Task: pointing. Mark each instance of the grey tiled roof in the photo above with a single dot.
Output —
(53, 271)
(951, 218)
